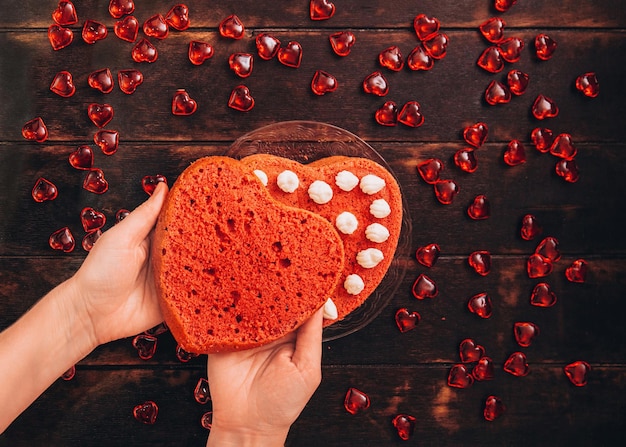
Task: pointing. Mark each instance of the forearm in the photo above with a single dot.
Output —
(236, 438)
(38, 348)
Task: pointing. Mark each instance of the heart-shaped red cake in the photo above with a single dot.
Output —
(235, 268)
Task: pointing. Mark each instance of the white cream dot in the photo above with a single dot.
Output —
(320, 192)
(288, 181)
(354, 284)
(346, 222)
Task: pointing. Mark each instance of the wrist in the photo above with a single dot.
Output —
(226, 437)
(80, 327)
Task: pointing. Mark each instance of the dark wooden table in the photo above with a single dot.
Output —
(401, 372)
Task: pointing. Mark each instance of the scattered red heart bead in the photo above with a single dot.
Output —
(62, 240)
(178, 17)
(321, 9)
(376, 84)
(121, 214)
(511, 49)
(588, 84)
(483, 370)
(94, 31)
(89, 240)
(290, 55)
(410, 114)
(95, 182)
(545, 46)
(150, 182)
(404, 425)
(267, 46)
(232, 27)
(183, 104)
(537, 266)
(69, 374)
(406, 320)
(144, 51)
(182, 355)
(342, 42)
(424, 287)
(504, 5)
(59, 37)
(146, 412)
(63, 84)
(419, 59)
(577, 271)
(490, 60)
(241, 64)
(517, 365)
(515, 153)
(497, 93)
(446, 191)
(437, 45)
(92, 219)
(480, 208)
(201, 392)
(525, 332)
(568, 170)
(480, 304)
(494, 408)
(549, 249)
(544, 107)
(241, 99)
(480, 261)
(207, 420)
(530, 227)
(577, 372)
(543, 296)
(323, 82)
(387, 114)
(493, 29)
(476, 134)
(470, 351)
(542, 139)
(101, 80)
(65, 14)
(145, 345)
(156, 27)
(563, 147)
(425, 27)
(430, 170)
(129, 80)
(127, 28)
(44, 190)
(428, 255)
(460, 377)
(356, 401)
(465, 160)
(391, 58)
(198, 52)
(517, 81)
(82, 158)
(119, 8)
(157, 330)
(100, 114)
(35, 130)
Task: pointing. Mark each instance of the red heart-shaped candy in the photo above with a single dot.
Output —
(321, 9)
(476, 134)
(144, 51)
(82, 158)
(129, 80)
(356, 401)
(107, 141)
(127, 28)
(231, 27)
(425, 27)
(406, 320)
(100, 114)
(95, 182)
(430, 170)
(65, 14)
(291, 54)
(342, 42)
(517, 364)
(323, 82)
(424, 287)
(240, 99)
(428, 255)
(183, 104)
(91, 219)
(198, 52)
(387, 114)
(59, 36)
(63, 84)
(119, 8)
(542, 296)
(411, 115)
(470, 351)
(101, 80)
(44, 190)
(156, 27)
(267, 46)
(178, 17)
(460, 377)
(35, 130)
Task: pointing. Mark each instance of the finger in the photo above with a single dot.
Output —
(308, 352)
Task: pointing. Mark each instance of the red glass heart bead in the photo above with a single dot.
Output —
(549, 248)
(406, 320)
(267, 46)
(404, 425)
(525, 332)
(290, 55)
(182, 355)
(241, 64)
(92, 219)
(157, 330)
(101, 80)
(410, 114)
(517, 81)
(119, 8)
(356, 401)
(89, 240)
(490, 60)
(511, 49)
(342, 42)
(376, 84)
(121, 214)
(424, 287)
(127, 28)
(577, 271)
(425, 27)
(483, 370)
(419, 59)
(568, 170)
(156, 27)
(82, 158)
(241, 99)
(430, 170)
(563, 147)
(577, 372)
(543, 296)
(100, 114)
(445, 191)
(515, 153)
(146, 412)
(480, 261)
(65, 14)
(537, 266)
(321, 9)
(150, 182)
(207, 420)
(530, 227)
(62, 240)
(428, 254)
(145, 345)
(476, 134)
(493, 29)
(198, 52)
(63, 84)
(494, 408)
(201, 392)
(460, 377)
(323, 83)
(387, 114)
(497, 93)
(465, 160)
(588, 84)
(183, 104)
(544, 107)
(69, 374)
(178, 17)
(59, 37)
(437, 45)
(129, 80)
(231, 27)
(504, 5)
(480, 304)
(95, 182)
(94, 31)
(480, 208)
(542, 139)
(391, 58)
(144, 51)
(35, 130)
(470, 351)
(545, 46)
(44, 190)
(517, 365)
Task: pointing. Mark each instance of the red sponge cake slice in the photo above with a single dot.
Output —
(235, 268)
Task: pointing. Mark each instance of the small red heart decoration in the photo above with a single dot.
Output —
(497, 93)
(470, 351)
(150, 182)
(476, 134)
(91, 219)
(567, 170)
(267, 46)
(542, 296)
(517, 81)
(321, 9)
(146, 412)
(82, 158)
(391, 58)
(119, 8)
(425, 27)
(291, 54)
(178, 17)
(241, 64)
(60, 37)
(525, 332)
(480, 261)
(101, 80)
(588, 84)
(504, 5)
(483, 370)
(530, 227)
(511, 49)
(542, 139)
(376, 84)
(35, 130)
(545, 46)
(445, 191)
(537, 266)
(577, 271)
(62, 240)
(145, 345)
(356, 401)
(430, 170)
(460, 377)
(411, 115)
(404, 425)
(480, 305)
(65, 14)
(231, 27)
(406, 320)
(94, 31)
(63, 84)
(323, 82)
(144, 51)
(342, 42)
(493, 29)
(494, 408)
(544, 107)
(517, 365)
(428, 255)
(100, 114)
(107, 141)
(419, 59)
(199, 52)
(490, 60)
(202, 392)
(577, 372)
(424, 287)
(127, 28)
(480, 208)
(240, 99)
(44, 190)
(182, 104)
(436, 46)
(387, 114)
(90, 239)
(563, 147)
(549, 249)
(156, 27)
(515, 153)
(129, 80)
(95, 182)
(465, 160)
